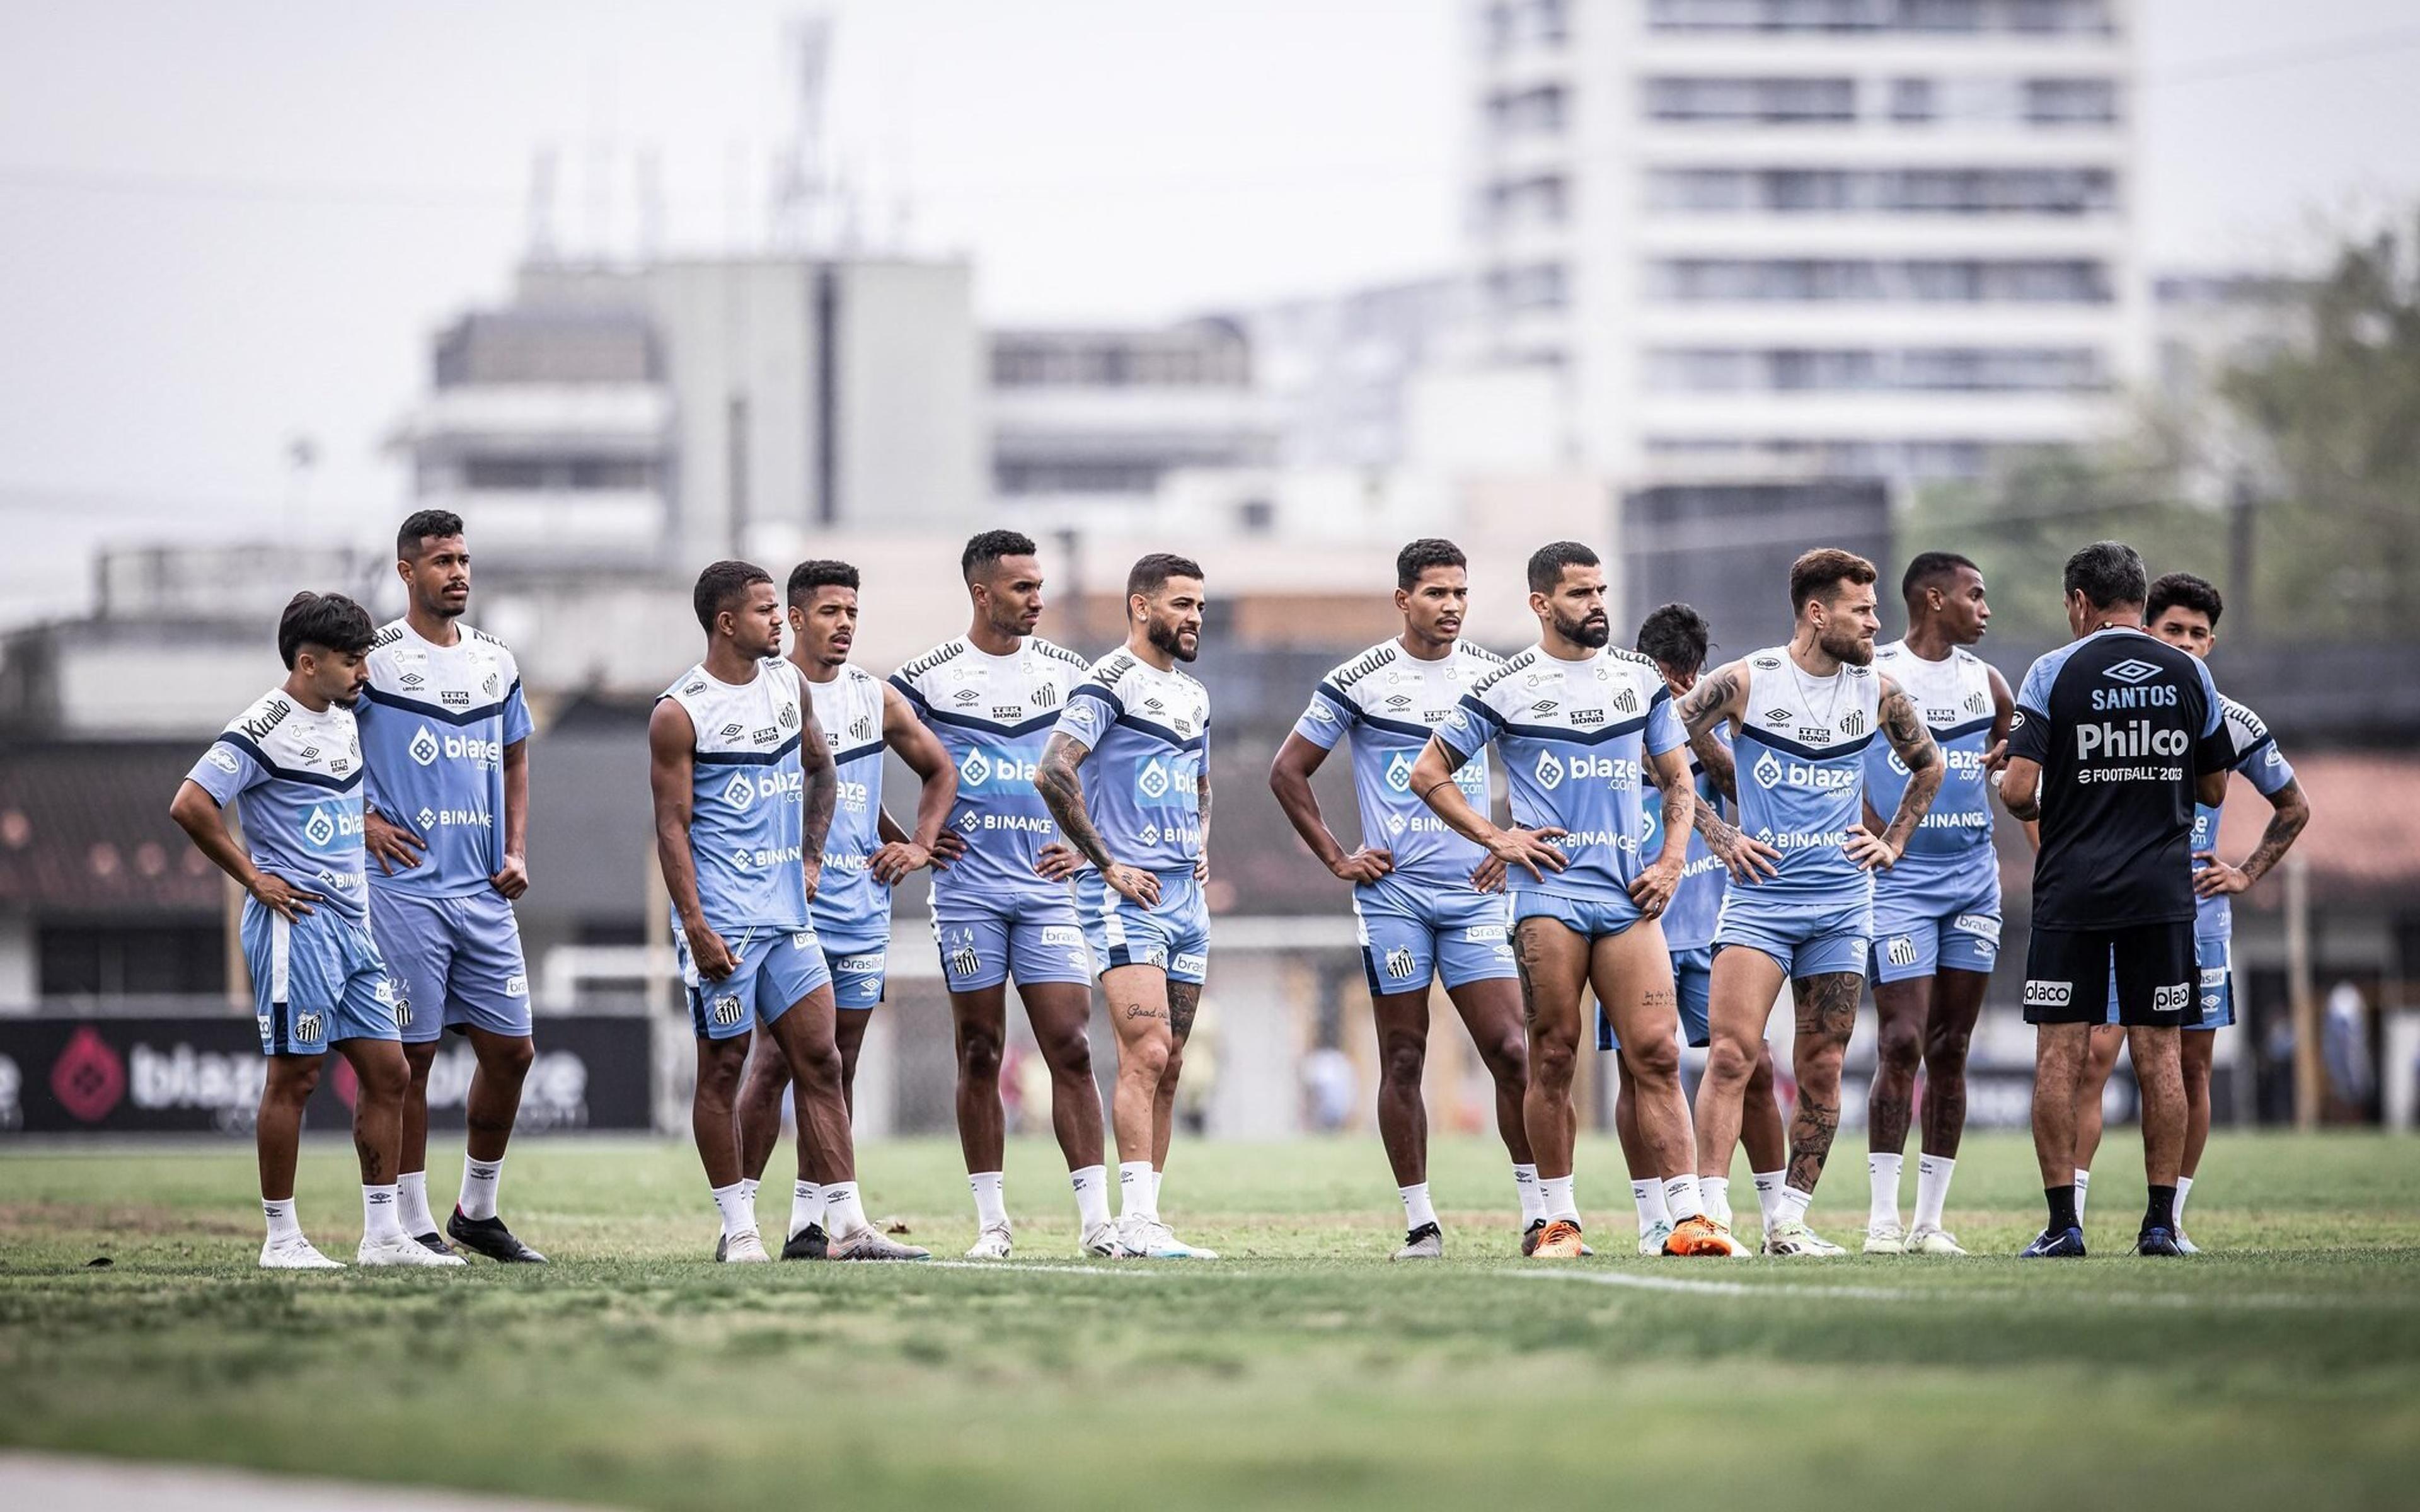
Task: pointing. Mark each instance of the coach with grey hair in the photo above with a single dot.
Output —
(2114, 735)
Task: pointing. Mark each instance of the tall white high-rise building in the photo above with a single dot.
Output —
(1808, 237)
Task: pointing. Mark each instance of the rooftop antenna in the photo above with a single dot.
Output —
(801, 175)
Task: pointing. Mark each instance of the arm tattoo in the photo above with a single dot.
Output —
(821, 784)
(1184, 1001)
(1702, 707)
(2285, 821)
(1062, 791)
(1913, 741)
(1715, 758)
(1201, 794)
(1671, 774)
(1720, 833)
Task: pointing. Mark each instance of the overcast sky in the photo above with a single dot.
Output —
(225, 227)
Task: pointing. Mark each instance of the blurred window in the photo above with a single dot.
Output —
(1912, 369)
(1887, 190)
(1772, 102)
(2093, 17)
(2049, 280)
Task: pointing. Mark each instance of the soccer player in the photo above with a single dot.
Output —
(1427, 901)
(1125, 774)
(1801, 861)
(2116, 735)
(1678, 638)
(1002, 909)
(861, 716)
(1937, 912)
(445, 739)
(2183, 611)
(292, 765)
(729, 745)
(1580, 728)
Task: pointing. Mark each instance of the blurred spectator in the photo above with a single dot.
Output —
(2343, 1042)
(1330, 1087)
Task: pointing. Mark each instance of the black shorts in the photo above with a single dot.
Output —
(2068, 973)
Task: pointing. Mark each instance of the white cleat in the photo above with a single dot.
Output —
(1792, 1238)
(1719, 1210)
(993, 1244)
(404, 1250)
(2186, 1246)
(1927, 1240)
(746, 1247)
(872, 1243)
(1426, 1243)
(1885, 1238)
(1100, 1241)
(1145, 1238)
(295, 1253)
(1651, 1241)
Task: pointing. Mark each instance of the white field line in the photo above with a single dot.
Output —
(1151, 1268)
(2245, 1301)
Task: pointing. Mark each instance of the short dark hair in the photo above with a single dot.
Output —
(2183, 589)
(984, 551)
(1547, 562)
(1929, 566)
(721, 582)
(1819, 573)
(1420, 555)
(424, 525)
(809, 576)
(330, 621)
(1151, 573)
(2108, 572)
(1678, 636)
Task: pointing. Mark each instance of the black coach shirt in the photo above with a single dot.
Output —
(2122, 724)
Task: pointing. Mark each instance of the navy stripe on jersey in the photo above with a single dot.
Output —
(290, 774)
(745, 758)
(432, 711)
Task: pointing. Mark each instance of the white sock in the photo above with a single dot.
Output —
(1716, 1192)
(1933, 1173)
(1557, 1192)
(1417, 1209)
(750, 1186)
(806, 1205)
(379, 1220)
(1881, 1175)
(1682, 1198)
(480, 1180)
(1525, 1186)
(1769, 1187)
(1794, 1204)
(1158, 1179)
(738, 1212)
(1649, 1195)
(1091, 1184)
(282, 1222)
(991, 1198)
(1135, 1194)
(842, 1213)
(412, 1203)
(2083, 1187)
(2184, 1190)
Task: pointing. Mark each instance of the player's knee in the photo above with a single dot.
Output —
(1654, 1061)
(1068, 1053)
(1730, 1061)
(1898, 1048)
(509, 1059)
(1405, 1058)
(383, 1079)
(979, 1054)
(1555, 1058)
(1145, 1059)
(417, 1059)
(1170, 1068)
(1508, 1058)
(1944, 1051)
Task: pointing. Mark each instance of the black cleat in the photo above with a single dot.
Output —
(431, 1241)
(1530, 1237)
(2159, 1242)
(808, 1244)
(490, 1238)
(2054, 1244)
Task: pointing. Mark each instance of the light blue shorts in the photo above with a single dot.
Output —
(1933, 919)
(2214, 956)
(457, 960)
(1693, 977)
(1804, 939)
(858, 965)
(777, 969)
(1410, 933)
(1034, 937)
(316, 981)
(1593, 918)
(1175, 937)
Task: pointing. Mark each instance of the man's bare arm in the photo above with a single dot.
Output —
(819, 783)
(2290, 811)
(670, 747)
(1903, 726)
(928, 758)
(1717, 697)
(2021, 791)
(1062, 791)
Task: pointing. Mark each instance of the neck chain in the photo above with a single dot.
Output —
(1797, 676)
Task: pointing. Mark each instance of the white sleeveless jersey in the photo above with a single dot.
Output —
(850, 903)
(1388, 702)
(1954, 697)
(1800, 755)
(747, 810)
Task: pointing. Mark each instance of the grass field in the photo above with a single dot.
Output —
(1305, 1370)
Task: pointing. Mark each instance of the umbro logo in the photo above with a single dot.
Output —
(2133, 669)
(731, 731)
(1779, 717)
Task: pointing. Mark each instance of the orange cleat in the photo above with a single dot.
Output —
(1702, 1235)
(1560, 1242)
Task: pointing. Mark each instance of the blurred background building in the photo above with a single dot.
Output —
(1739, 277)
